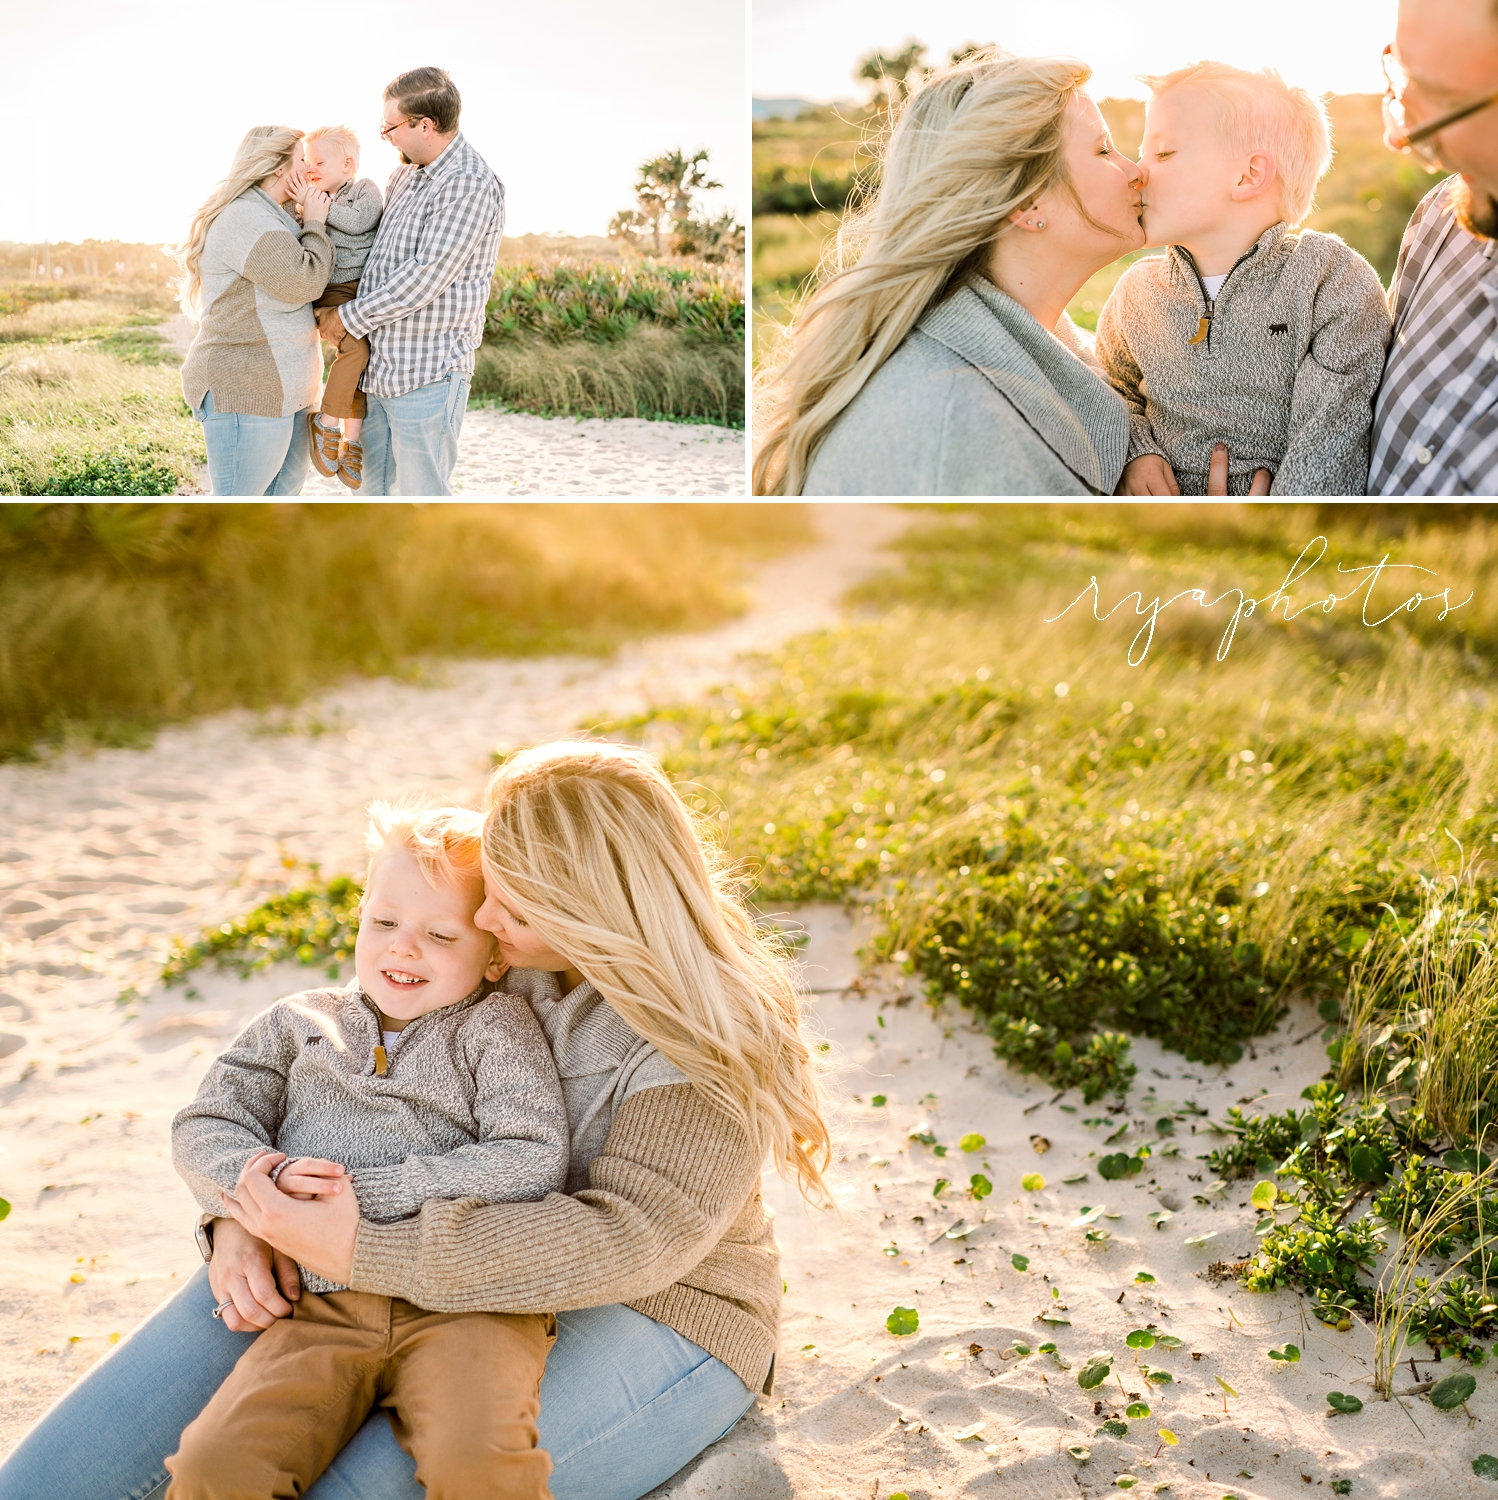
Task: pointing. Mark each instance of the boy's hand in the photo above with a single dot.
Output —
(296, 183)
(311, 1177)
(1148, 474)
(314, 205)
(1217, 478)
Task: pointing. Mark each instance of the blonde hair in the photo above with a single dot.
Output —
(261, 154)
(340, 137)
(447, 841)
(972, 144)
(604, 860)
(1259, 111)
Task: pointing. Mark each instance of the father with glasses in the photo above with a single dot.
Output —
(424, 290)
(1435, 424)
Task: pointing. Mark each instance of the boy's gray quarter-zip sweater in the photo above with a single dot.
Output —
(470, 1105)
(1284, 373)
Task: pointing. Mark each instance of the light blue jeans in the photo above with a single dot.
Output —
(625, 1402)
(254, 455)
(411, 442)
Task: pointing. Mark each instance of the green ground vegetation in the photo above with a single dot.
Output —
(90, 396)
(807, 169)
(602, 338)
(1076, 848)
(116, 618)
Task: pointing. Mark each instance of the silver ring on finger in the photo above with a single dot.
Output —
(223, 1307)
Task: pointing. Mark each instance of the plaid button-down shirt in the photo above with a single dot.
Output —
(1435, 422)
(426, 283)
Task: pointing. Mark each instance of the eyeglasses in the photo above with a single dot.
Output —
(1420, 141)
(386, 129)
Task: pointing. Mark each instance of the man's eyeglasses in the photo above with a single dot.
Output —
(386, 129)
(1421, 140)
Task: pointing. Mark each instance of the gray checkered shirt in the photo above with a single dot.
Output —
(426, 283)
(1435, 422)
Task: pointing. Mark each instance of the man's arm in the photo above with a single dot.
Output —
(237, 1110)
(1331, 404)
(462, 212)
(522, 1149)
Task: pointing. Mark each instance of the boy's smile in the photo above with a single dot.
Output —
(418, 948)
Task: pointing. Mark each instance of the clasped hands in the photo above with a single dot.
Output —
(1149, 474)
(309, 1214)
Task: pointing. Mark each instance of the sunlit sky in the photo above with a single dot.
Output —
(808, 48)
(127, 112)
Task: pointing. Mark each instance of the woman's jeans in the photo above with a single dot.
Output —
(625, 1402)
(254, 455)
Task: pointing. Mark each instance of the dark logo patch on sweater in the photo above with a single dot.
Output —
(1275, 329)
(312, 1041)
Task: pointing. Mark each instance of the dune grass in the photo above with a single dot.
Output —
(90, 398)
(117, 618)
(601, 339)
(658, 373)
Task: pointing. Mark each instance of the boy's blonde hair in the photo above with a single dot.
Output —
(447, 841)
(340, 137)
(1259, 111)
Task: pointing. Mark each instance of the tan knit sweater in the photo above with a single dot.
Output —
(671, 1224)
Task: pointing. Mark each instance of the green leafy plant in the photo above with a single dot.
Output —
(1343, 1404)
(903, 1320)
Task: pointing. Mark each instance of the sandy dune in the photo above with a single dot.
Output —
(505, 454)
(104, 857)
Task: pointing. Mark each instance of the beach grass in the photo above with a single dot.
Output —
(117, 618)
(90, 396)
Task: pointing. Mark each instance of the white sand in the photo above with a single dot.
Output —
(503, 453)
(104, 856)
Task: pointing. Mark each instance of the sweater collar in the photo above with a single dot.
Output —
(1273, 237)
(1072, 409)
(280, 208)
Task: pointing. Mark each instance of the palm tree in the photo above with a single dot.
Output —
(672, 179)
(892, 73)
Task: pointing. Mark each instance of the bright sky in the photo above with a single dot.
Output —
(127, 112)
(808, 48)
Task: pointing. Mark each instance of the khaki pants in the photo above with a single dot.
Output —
(462, 1391)
(341, 396)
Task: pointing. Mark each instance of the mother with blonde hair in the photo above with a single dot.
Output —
(676, 1030)
(935, 356)
(250, 273)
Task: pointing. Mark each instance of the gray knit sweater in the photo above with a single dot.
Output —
(470, 1105)
(978, 399)
(256, 348)
(1290, 354)
(353, 220)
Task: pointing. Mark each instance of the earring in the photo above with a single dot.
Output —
(1040, 224)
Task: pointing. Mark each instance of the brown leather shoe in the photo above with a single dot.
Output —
(351, 465)
(324, 442)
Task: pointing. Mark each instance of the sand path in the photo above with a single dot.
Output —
(104, 857)
(504, 453)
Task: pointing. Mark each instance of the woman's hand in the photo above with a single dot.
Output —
(319, 1233)
(261, 1283)
(1217, 479)
(314, 205)
(1149, 474)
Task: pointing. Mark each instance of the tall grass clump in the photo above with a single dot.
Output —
(116, 618)
(605, 339)
(90, 402)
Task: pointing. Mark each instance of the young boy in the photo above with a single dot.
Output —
(414, 1082)
(353, 217)
(1246, 331)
